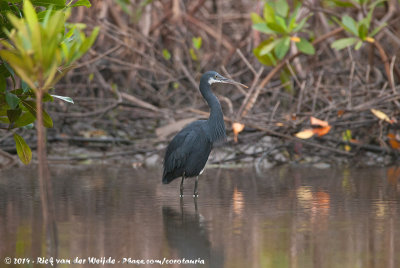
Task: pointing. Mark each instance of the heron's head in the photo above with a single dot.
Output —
(213, 77)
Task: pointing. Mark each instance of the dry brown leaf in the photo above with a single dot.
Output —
(340, 113)
(322, 131)
(305, 134)
(318, 122)
(381, 115)
(237, 128)
(394, 143)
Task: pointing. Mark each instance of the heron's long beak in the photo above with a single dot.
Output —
(230, 81)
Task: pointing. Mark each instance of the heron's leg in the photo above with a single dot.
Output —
(181, 188)
(195, 207)
(196, 192)
(181, 205)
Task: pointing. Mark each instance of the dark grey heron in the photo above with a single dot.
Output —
(188, 152)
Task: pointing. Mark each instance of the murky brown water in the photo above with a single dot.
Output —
(286, 217)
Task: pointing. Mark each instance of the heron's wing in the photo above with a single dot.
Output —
(179, 149)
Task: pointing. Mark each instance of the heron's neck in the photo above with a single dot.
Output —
(216, 119)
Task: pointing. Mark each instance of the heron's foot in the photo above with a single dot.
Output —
(195, 191)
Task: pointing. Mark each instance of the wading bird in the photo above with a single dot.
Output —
(187, 153)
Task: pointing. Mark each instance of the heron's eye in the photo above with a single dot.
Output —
(215, 76)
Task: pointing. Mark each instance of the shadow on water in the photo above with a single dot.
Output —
(284, 217)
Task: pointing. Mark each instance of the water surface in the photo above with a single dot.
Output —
(285, 217)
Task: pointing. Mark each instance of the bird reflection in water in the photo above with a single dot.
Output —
(187, 234)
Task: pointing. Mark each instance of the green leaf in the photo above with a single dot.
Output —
(276, 27)
(47, 97)
(262, 27)
(267, 59)
(58, 4)
(281, 21)
(346, 135)
(89, 41)
(193, 54)
(85, 3)
(166, 54)
(19, 65)
(282, 47)
(24, 120)
(13, 114)
(17, 91)
(362, 31)
(3, 83)
(23, 150)
(4, 70)
(44, 15)
(340, 3)
(24, 86)
(269, 47)
(255, 18)
(305, 47)
(344, 42)
(282, 7)
(31, 107)
(197, 41)
(35, 34)
(8, 72)
(368, 18)
(294, 14)
(301, 24)
(292, 24)
(12, 100)
(268, 13)
(358, 45)
(377, 29)
(66, 99)
(349, 25)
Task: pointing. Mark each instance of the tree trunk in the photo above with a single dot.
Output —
(46, 191)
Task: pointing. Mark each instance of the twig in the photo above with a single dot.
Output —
(349, 91)
(102, 55)
(224, 40)
(239, 52)
(187, 73)
(385, 61)
(139, 102)
(94, 140)
(250, 94)
(302, 86)
(316, 90)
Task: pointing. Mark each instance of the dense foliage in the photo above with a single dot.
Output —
(38, 48)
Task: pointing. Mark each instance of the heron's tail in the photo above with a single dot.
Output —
(167, 178)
